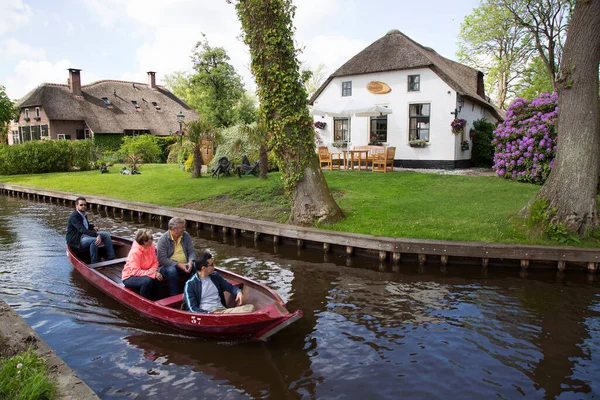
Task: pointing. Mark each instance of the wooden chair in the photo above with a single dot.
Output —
(382, 160)
(332, 160)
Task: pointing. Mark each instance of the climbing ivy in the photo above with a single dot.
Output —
(268, 30)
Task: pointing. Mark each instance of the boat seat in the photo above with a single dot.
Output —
(170, 301)
(108, 262)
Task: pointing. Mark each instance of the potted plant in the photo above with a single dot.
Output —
(418, 143)
(320, 124)
(458, 126)
(340, 144)
(464, 145)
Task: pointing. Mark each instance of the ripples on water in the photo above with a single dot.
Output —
(367, 332)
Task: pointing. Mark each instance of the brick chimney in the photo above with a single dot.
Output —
(75, 81)
(152, 79)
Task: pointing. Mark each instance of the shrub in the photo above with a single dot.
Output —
(165, 143)
(525, 143)
(36, 157)
(81, 153)
(143, 148)
(482, 154)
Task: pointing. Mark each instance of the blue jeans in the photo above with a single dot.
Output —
(148, 286)
(89, 241)
(171, 274)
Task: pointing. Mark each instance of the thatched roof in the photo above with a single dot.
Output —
(396, 51)
(59, 104)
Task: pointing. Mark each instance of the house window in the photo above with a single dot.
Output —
(15, 137)
(347, 88)
(37, 113)
(35, 132)
(136, 105)
(26, 133)
(44, 129)
(107, 102)
(27, 114)
(419, 121)
(79, 134)
(155, 104)
(414, 83)
(341, 129)
(87, 134)
(378, 133)
(62, 136)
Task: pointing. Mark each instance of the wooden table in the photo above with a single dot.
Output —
(351, 154)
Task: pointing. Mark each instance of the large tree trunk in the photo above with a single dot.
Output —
(312, 200)
(572, 187)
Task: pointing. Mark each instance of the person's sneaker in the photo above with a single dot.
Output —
(102, 259)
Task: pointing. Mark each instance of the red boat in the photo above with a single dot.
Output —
(269, 317)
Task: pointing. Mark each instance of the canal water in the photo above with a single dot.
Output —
(369, 330)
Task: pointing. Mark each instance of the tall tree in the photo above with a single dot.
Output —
(490, 41)
(7, 113)
(535, 80)
(547, 22)
(572, 187)
(267, 29)
(218, 82)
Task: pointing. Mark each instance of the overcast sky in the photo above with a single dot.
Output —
(123, 39)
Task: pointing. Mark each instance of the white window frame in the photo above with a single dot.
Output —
(409, 88)
(37, 112)
(27, 113)
(61, 136)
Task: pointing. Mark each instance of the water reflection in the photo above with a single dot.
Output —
(369, 330)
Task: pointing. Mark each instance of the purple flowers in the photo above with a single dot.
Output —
(525, 142)
(320, 124)
(458, 125)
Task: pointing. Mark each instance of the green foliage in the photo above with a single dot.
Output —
(535, 80)
(491, 40)
(140, 149)
(197, 132)
(26, 377)
(107, 142)
(268, 30)
(36, 157)
(165, 143)
(233, 143)
(541, 216)
(81, 151)
(7, 108)
(482, 154)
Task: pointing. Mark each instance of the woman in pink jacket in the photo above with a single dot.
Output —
(141, 267)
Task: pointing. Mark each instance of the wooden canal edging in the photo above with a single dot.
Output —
(392, 249)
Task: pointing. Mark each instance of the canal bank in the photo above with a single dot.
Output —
(395, 251)
(16, 336)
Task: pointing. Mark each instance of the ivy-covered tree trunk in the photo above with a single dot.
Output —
(268, 31)
(572, 187)
(264, 161)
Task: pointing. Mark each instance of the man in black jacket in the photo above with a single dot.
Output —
(81, 234)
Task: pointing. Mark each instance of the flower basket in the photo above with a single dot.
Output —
(320, 124)
(418, 143)
(458, 126)
(464, 145)
(339, 144)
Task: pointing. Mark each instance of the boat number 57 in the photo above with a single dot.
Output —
(195, 320)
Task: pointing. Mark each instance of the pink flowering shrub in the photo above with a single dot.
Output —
(525, 143)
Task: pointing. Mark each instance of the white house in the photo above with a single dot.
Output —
(398, 93)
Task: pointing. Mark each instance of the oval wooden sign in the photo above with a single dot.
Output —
(377, 87)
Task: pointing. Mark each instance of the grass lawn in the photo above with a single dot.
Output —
(399, 204)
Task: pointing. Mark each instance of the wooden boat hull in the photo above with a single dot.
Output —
(269, 317)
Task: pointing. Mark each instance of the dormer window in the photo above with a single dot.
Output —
(136, 105)
(155, 104)
(107, 102)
